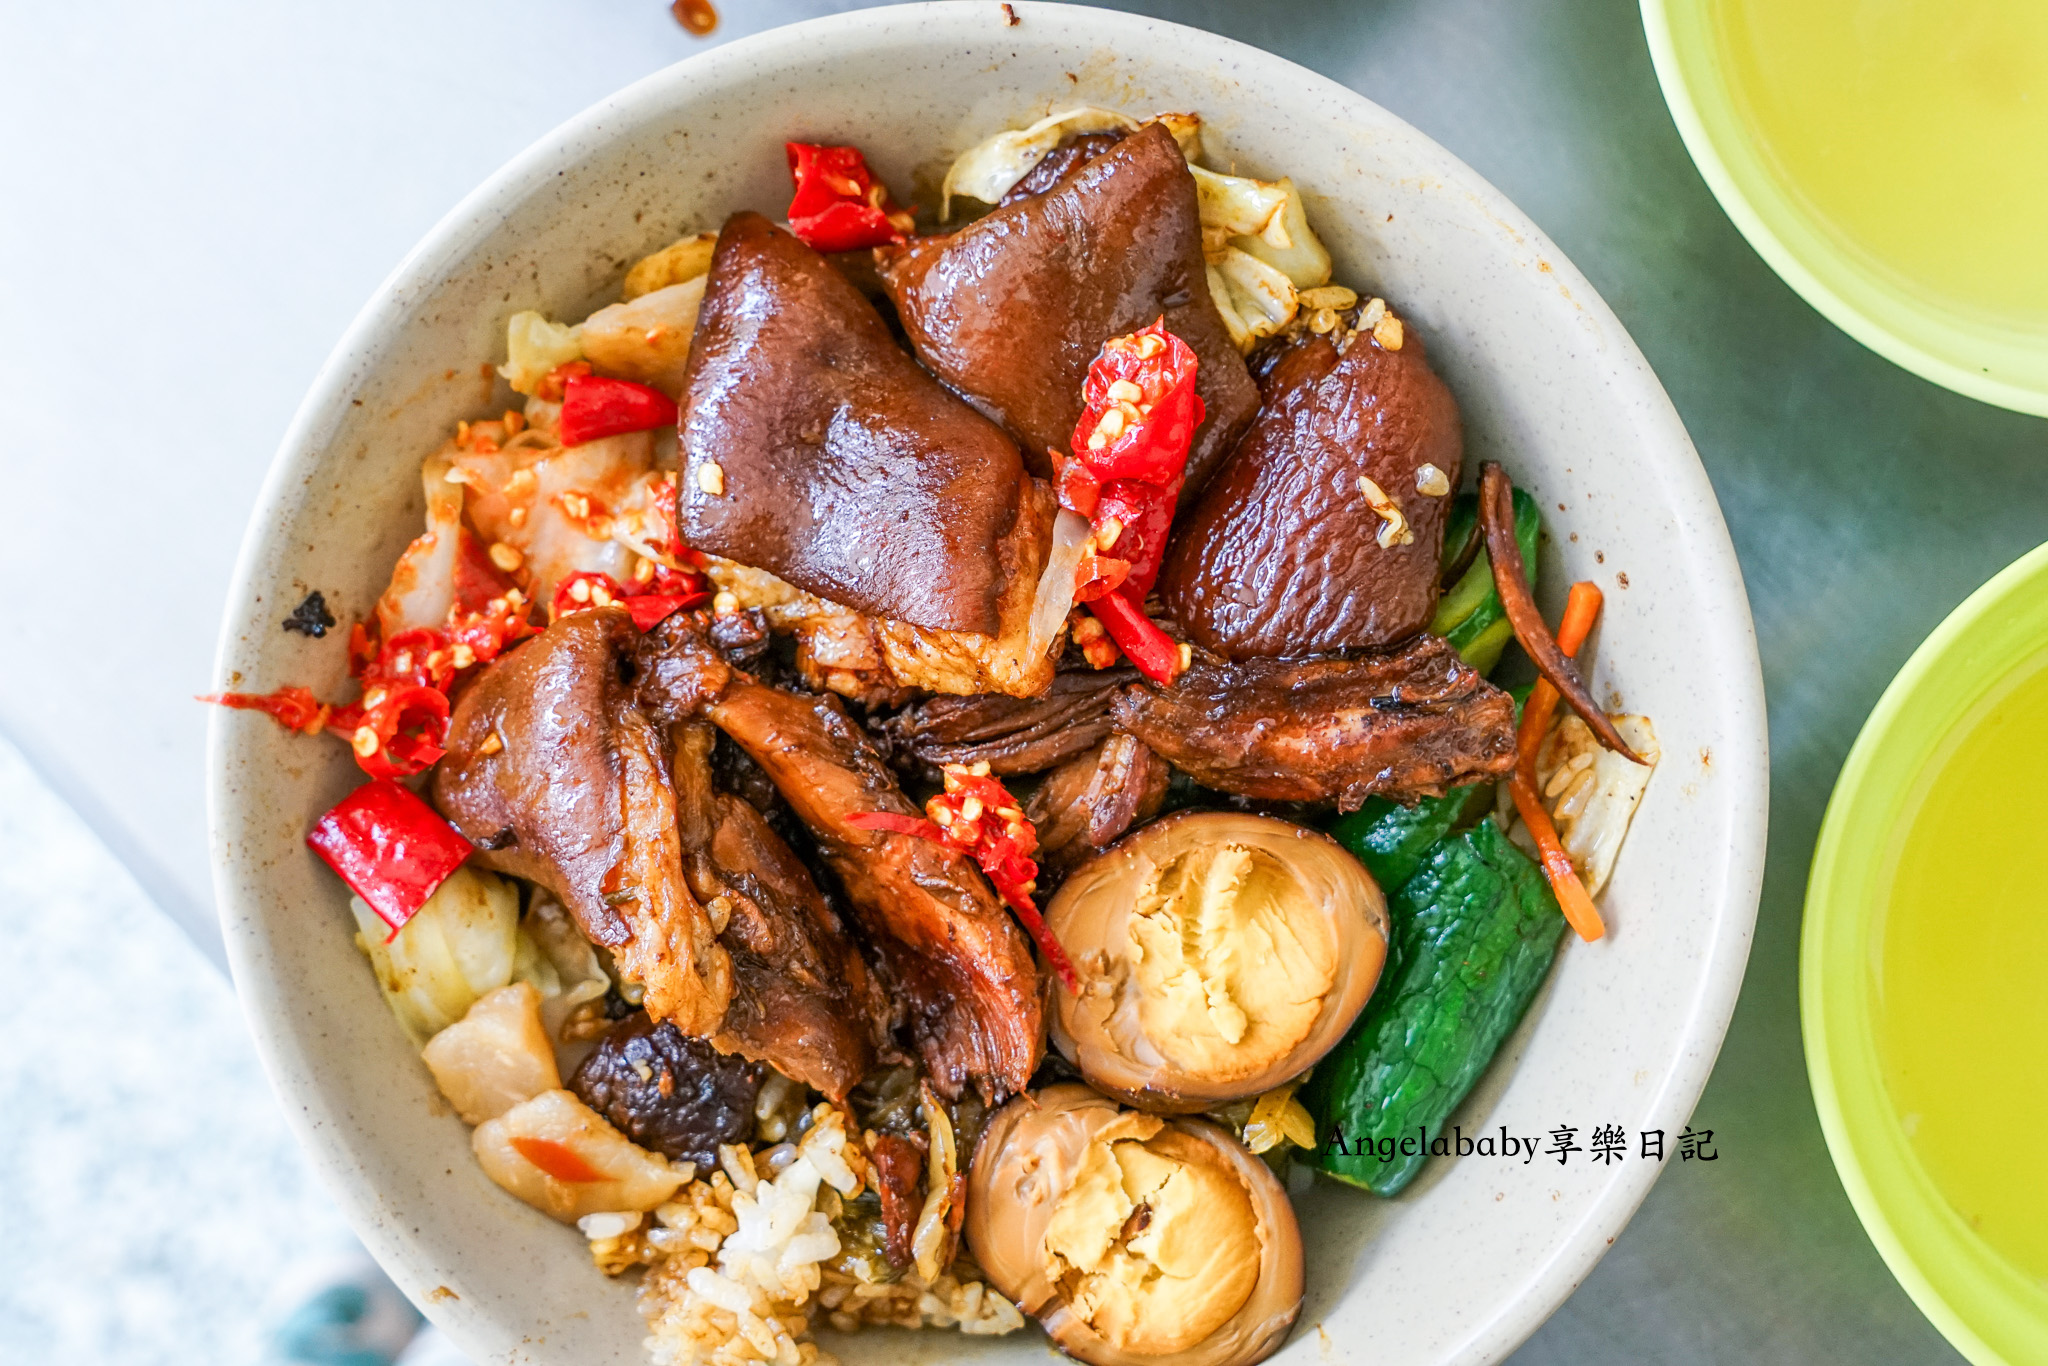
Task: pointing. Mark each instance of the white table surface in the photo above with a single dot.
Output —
(195, 199)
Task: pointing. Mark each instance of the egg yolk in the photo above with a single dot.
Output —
(1229, 960)
(1155, 1245)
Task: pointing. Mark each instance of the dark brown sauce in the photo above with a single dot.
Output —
(698, 16)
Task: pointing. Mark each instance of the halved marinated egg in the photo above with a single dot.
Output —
(1135, 1240)
(1221, 954)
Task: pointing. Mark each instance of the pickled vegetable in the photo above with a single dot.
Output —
(1475, 930)
(1469, 614)
(1392, 840)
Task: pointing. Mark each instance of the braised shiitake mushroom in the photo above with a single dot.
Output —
(1135, 1240)
(1221, 955)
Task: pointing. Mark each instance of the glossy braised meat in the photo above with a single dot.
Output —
(873, 659)
(814, 448)
(668, 1092)
(1088, 802)
(802, 998)
(1406, 724)
(1011, 309)
(957, 964)
(1281, 553)
(571, 760)
(1010, 734)
(1061, 162)
(557, 777)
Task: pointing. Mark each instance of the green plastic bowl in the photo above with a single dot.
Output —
(2002, 364)
(1993, 1313)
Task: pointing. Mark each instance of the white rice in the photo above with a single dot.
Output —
(735, 1262)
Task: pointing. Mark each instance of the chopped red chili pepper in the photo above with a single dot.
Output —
(397, 727)
(552, 383)
(293, 708)
(1143, 514)
(839, 205)
(391, 848)
(1141, 408)
(667, 591)
(1155, 653)
(556, 1159)
(1099, 575)
(583, 590)
(362, 649)
(651, 609)
(594, 407)
(898, 824)
(977, 816)
(1130, 456)
(396, 731)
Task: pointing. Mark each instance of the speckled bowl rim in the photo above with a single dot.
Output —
(1669, 464)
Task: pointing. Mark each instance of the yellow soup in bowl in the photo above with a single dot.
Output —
(1962, 1008)
(1889, 159)
(1921, 969)
(1917, 129)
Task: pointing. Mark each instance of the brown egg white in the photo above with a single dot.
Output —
(1221, 954)
(1135, 1240)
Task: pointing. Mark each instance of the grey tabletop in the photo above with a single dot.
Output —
(1864, 503)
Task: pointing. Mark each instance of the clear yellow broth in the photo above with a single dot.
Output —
(1963, 979)
(1917, 130)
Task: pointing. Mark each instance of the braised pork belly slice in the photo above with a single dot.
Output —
(874, 659)
(1410, 723)
(1323, 530)
(947, 949)
(1011, 309)
(816, 449)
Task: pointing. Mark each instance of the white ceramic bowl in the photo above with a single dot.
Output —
(1474, 1255)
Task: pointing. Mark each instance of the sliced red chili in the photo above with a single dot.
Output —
(1155, 653)
(1130, 456)
(583, 590)
(588, 588)
(896, 824)
(390, 847)
(977, 816)
(594, 407)
(1098, 576)
(1144, 516)
(552, 383)
(1140, 408)
(838, 204)
(401, 729)
(415, 658)
(293, 708)
(651, 609)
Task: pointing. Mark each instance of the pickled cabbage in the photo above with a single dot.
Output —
(457, 946)
(534, 346)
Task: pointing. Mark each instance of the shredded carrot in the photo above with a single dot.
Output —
(1581, 609)
(1579, 911)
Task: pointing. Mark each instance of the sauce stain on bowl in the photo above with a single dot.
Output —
(1962, 1013)
(700, 17)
